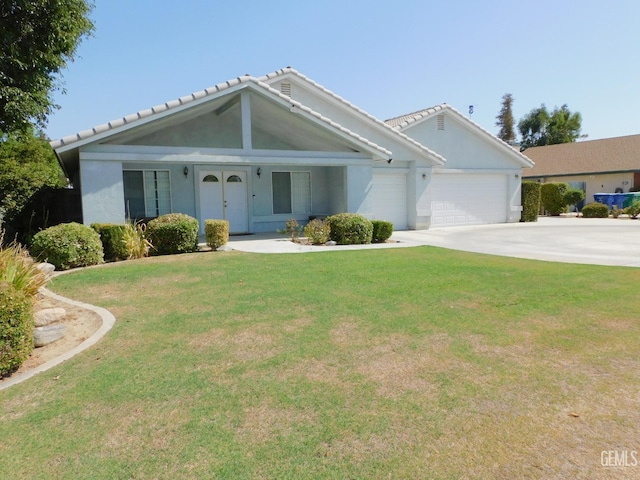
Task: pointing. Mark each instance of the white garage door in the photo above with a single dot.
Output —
(468, 199)
(390, 199)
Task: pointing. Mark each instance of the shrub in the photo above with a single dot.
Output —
(317, 231)
(595, 210)
(552, 197)
(111, 236)
(68, 245)
(292, 229)
(216, 233)
(530, 195)
(633, 210)
(381, 231)
(573, 196)
(16, 328)
(350, 229)
(134, 240)
(173, 233)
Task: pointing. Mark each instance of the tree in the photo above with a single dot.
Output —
(39, 38)
(28, 169)
(505, 120)
(539, 127)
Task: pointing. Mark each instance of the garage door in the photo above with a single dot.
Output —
(390, 199)
(468, 199)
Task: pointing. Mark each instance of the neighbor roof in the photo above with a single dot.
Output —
(618, 154)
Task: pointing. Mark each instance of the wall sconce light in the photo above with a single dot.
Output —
(259, 172)
(185, 170)
(517, 176)
(424, 176)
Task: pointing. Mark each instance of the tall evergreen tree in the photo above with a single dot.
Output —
(505, 120)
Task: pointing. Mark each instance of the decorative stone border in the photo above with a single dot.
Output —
(108, 320)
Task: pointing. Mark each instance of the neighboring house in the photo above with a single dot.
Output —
(595, 166)
(258, 151)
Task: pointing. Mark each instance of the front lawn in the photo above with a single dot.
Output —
(395, 363)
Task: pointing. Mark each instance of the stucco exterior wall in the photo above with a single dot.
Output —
(102, 192)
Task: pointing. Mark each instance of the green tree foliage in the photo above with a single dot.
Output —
(505, 120)
(28, 167)
(39, 38)
(539, 127)
(552, 196)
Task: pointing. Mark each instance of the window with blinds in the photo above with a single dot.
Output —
(147, 193)
(291, 192)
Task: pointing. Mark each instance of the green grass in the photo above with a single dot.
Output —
(398, 363)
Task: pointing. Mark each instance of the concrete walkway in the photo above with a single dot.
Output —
(605, 241)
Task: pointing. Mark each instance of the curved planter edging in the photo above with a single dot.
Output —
(108, 320)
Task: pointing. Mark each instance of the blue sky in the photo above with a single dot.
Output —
(387, 57)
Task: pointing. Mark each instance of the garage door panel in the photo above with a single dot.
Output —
(390, 199)
(468, 199)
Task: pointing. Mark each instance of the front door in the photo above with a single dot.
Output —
(223, 196)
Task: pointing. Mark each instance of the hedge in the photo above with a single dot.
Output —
(382, 231)
(111, 236)
(552, 197)
(216, 233)
(350, 229)
(595, 210)
(530, 193)
(68, 245)
(173, 233)
(16, 328)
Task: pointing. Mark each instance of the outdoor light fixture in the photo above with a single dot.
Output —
(424, 176)
(259, 172)
(185, 171)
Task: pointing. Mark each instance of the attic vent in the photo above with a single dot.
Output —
(440, 122)
(285, 88)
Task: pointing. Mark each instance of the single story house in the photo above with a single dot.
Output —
(258, 151)
(595, 166)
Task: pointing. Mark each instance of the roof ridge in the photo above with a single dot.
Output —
(291, 70)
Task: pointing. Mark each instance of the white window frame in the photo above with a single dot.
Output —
(293, 202)
(144, 189)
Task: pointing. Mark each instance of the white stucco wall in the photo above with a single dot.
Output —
(359, 182)
(102, 192)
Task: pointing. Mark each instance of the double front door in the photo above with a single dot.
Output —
(223, 196)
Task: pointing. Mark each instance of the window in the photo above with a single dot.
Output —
(291, 192)
(147, 193)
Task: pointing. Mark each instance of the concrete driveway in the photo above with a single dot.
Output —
(599, 241)
(558, 239)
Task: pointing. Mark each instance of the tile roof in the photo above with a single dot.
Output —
(377, 121)
(403, 121)
(136, 117)
(594, 156)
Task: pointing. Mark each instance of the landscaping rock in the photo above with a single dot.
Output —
(45, 335)
(46, 268)
(331, 243)
(48, 315)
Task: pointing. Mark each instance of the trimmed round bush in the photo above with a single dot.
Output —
(16, 328)
(350, 229)
(530, 192)
(173, 233)
(111, 236)
(552, 197)
(382, 231)
(595, 210)
(68, 245)
(317, 231)
(216, 233)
